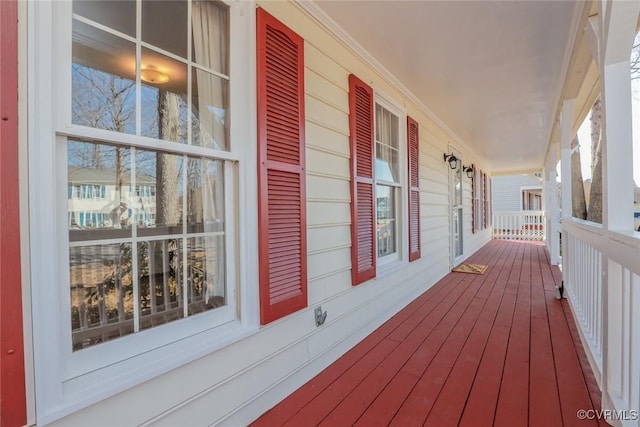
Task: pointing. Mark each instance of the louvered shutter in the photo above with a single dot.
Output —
(474, 200)
(489, 204)
(363, 215)
(484, 200)
(281, 185)
(413, 148)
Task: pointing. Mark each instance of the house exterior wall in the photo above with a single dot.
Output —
(507, 191)
(238, 382)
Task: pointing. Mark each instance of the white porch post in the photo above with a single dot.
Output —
(551, 207)
(565, 158)
(611, 36)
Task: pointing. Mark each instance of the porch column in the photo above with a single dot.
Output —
(551, 207)
(566, 126)
(611, 35)
(617, 134)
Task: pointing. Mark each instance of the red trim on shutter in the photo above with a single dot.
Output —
(13, 406)
(363, 214)
(489, 204)
(473, 200)
(413, 148)
(484, 200)
(281, 162)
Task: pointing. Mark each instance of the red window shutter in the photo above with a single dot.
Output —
(413, 143)
(490, 207)
(484, 199)
(281, 185)
(363, 214)
(473, 200)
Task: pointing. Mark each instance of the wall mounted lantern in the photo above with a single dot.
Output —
(453, 160)
(468, 170)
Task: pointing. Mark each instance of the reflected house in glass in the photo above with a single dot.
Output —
(93, 202)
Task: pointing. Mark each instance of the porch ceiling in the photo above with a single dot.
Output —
(490, 70)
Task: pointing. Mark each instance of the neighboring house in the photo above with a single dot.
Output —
(196, 178)
(517, 193)
(95, 201)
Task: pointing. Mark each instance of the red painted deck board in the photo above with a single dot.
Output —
(474, 350)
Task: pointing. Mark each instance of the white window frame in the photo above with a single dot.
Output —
(67, 381)
(476, 200)
(401, 256)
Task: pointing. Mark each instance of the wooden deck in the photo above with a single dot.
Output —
(475, 350)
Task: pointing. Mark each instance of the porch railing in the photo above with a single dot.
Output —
(602, 281)
(583, 265)
(519, 225)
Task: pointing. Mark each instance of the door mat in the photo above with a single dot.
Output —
(471, 268)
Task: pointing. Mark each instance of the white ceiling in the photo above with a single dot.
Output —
(490, 70)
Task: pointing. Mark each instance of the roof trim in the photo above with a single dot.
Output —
(578, 13)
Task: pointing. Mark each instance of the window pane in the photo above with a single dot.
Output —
(164, 24)
(160, 282)
(210, 35)
(206, 289)
(99, 179)
(209, 106)
(458, 186)
(103, 80)
(394, 138)
(386, 219)
(205, 196)
(119, 15)
(101, 293)
(164, 102)
(162, 213)
(387, 163)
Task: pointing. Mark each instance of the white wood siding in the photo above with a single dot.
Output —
(507, 195)
(238, 383)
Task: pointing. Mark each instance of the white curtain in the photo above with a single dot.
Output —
(210, 46)
(209, 22)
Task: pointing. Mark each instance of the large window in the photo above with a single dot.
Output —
(136, 164)
(148, 246)
(388, 183)
(379, 166)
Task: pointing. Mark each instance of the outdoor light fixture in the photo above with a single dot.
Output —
(151, 74)
(468, 170)
(453, 160)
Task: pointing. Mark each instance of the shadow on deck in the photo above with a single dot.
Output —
(474, 350)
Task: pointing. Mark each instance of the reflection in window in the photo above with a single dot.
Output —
(386, 145)
(458, 185)
(385, 205)
(182, 99)
(160, 214)
(101, 293)
(171, 232)
(387, 168)
(160, 266)
(98, 188)
(103, 92)
(205, 196)
(206, 275)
